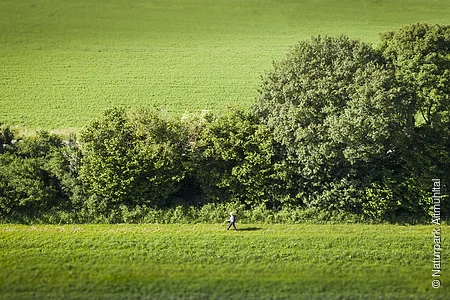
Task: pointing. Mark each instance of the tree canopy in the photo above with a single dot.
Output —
(337, 110)
(420, 56)
(338, 127)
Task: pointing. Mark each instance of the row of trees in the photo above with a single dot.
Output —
(338, 127)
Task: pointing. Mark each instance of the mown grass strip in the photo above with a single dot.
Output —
(207, 262)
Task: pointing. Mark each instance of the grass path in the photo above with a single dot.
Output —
(206, 262)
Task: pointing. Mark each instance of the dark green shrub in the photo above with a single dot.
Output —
(337, 110)
(28, 187)
(236, 159)
(131, 158)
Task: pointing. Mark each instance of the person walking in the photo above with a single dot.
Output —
(232, 221)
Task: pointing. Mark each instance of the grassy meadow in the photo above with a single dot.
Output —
(206, 262)
(63, 62)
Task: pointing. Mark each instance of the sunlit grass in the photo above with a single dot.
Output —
(64, 62)
(207, 262)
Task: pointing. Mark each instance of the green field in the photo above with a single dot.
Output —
(63, 62)
(206, 262)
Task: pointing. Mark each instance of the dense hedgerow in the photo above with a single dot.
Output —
(340, 132)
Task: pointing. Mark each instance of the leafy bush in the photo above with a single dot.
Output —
(419, 54)
(340, 132)
(237, 160)
(337, 110)
(28, 187)
(6, 138)
(131, 159)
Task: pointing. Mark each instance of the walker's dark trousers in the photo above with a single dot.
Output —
(232, 223)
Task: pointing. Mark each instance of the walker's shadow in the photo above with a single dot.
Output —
(249, 229)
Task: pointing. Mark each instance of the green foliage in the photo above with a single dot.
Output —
(237, 159)
(336, 109)
(131, 159)
(24, 185)
(425, 158)
(65, 164)
(40, 145)
(6, 138)
(27, 185)
(332, 137)
(420, 56)
(379, 200)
